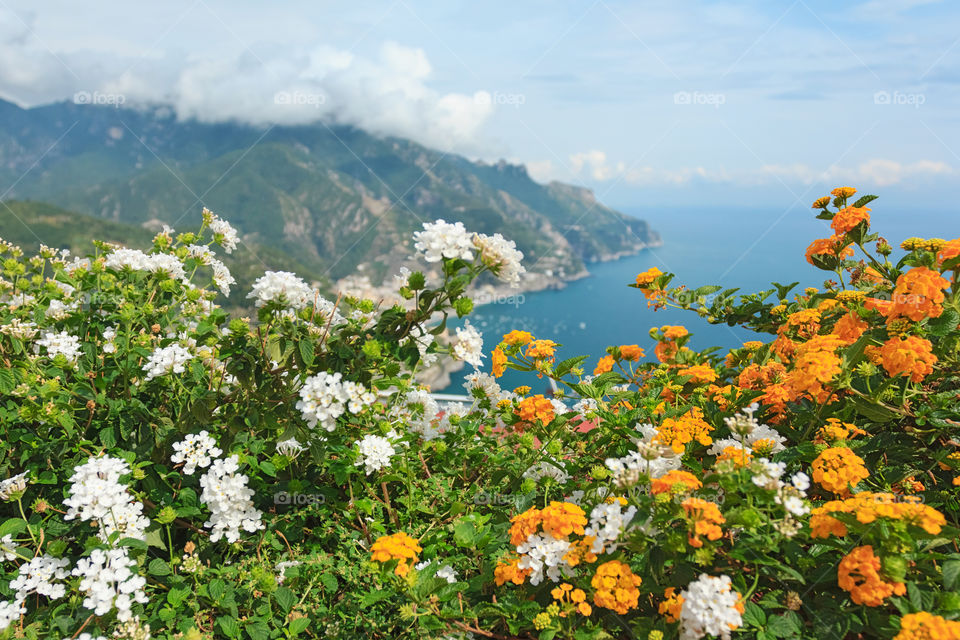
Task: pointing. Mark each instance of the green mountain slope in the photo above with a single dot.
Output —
(331, 198)
(30, 224)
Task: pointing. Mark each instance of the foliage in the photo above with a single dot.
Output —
(286, 478)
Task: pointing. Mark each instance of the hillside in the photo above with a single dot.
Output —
(30, 224)
(332, 198)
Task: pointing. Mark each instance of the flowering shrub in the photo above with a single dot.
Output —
(171, 472)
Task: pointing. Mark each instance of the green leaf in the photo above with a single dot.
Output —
(217, 588)
(257, 630)
(951, 571)
(298, 626)
(285, 598)
(863, 201)
(8, 380)
(306, 347)
(229, 626)
(329, 582)
(158, 567)
(13, 526)
(155, 539)
(753, 615)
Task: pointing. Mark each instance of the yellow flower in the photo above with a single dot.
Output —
(498, 362)
(837, 469)
(518, 338)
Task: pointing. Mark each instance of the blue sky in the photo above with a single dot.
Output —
(687, 102)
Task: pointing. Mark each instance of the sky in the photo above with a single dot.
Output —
(690, 102)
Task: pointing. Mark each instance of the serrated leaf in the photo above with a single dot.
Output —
(951, 571)
(306, 347)
(158, 567)
(285, 598)
(298, 626)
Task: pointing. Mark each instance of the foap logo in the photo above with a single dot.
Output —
(515, 300)
(298, 499)
(515, 100)
(714, 100)
(899, 98)
(97, 98)
(299, 99)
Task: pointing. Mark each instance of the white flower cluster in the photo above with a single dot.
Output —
(8, 548)
(223, 232)
(10, 612)
(108, 579)
(468, 345)
(446, 572)
(608, 521)
(501, 256)
(709, 608)
(96, 494)
(790, 494)
(196, 450)
(228, 497)
(13, 485)
(109, 335)
(170, 359)
(290, 448)
(281, 287)
(326, 396)
(42, 575)
(543, 555)
(747, 433)
(19, 329)
(60, 310)
(449, 410)
(374, 452)
(650, 458)
(441, 239)
(419, 412)
(137, 260)
(62, 344)
(546, 469)
(584, 406)
(484, 385)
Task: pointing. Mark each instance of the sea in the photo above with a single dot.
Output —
(732, 247)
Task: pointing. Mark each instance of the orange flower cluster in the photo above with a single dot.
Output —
(675, 481)
(671, 606)
(677, 432)
(398, 546)
(848, 218)
(706, 519)
(498, 362)
(843, 192)
(535, 408)
(836, 431)
(926, 626)
(508, 571)
(604, 365)
(541, 349)
(518, 338)
(837, 469)
(859, 574)
(918, 295)
(700, 373)
(631, 352)
(577, 598)
(849, 328)
(832, 246)
(949, 251)
(645, 279)
(805, 323)
(911, 357)
(739, 456)
(559, 519)
(867, 507)
(815, 367)
(616, 587)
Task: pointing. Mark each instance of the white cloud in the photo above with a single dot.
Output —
(594, 165)
(387, 94)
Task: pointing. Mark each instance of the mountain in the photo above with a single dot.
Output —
(332, 198)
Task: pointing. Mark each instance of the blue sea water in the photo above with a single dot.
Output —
(731, 247)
